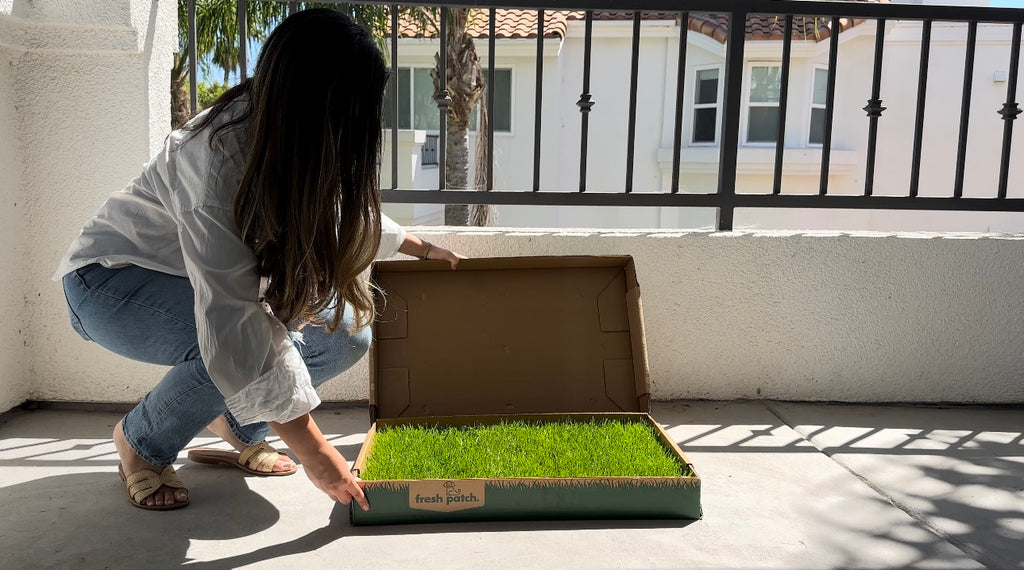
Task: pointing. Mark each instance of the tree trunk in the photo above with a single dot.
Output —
(457, 160)
(464, 83)
(179, 93)
(482, 214)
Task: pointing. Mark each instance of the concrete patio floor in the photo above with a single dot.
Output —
(785, 485)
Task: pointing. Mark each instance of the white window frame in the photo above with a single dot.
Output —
(717, 105)
(748, 79)
(811, 105)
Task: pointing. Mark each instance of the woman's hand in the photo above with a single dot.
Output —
(324, 466)
(440, 253)
(329, 472)
(417, 247)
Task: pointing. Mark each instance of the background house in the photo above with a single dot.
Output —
(515, 89)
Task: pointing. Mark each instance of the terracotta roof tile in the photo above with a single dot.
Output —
(522, 24)
(508, 24)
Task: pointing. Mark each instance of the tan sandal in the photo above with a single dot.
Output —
(256, 459)
(144, 482)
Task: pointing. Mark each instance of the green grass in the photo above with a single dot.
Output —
(518, 449)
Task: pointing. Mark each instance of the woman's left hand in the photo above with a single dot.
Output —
(418, 247)
(440, 253)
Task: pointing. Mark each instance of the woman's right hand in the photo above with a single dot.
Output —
(329, 472)
(324, 466)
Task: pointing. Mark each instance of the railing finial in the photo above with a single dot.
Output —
(874, 108)
(1009, 111)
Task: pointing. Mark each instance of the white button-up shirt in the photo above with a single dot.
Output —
(177, 217)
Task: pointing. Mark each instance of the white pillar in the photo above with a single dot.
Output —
(84, 101)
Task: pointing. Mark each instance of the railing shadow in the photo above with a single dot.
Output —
(957, 471)
(957, 474)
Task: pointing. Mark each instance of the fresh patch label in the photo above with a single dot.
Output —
(446, 495)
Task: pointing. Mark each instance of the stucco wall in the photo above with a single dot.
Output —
(12, 387)
(796, 316)
(849, 317)
(85, 99)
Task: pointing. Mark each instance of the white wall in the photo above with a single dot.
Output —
(850, 317)
(12, 204)
(818, 317)
(85, 101)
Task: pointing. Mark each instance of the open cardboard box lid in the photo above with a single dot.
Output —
(508, 335)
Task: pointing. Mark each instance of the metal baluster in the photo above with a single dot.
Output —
(965, 109)
(586, 102)
(394, 96)
(731, 119)
(537, 101)
(780, 141)
(922, 85)
(874, 108)
(243, 39)
(1010, 109)
(443, 100)
(490, 101)
(830, 97)
(677, 137)
(634, 71)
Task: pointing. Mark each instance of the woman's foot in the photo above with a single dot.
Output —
(130, 463)
(221, 429)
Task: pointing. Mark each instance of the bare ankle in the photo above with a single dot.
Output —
(222, 429)
(131, 460)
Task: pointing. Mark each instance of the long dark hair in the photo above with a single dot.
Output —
(308, 204)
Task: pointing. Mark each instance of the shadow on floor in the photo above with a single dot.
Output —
(61, 517)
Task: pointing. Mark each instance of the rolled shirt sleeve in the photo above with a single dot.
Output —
(391, 237)
(248, 353)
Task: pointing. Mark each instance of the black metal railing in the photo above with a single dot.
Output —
(725, 199)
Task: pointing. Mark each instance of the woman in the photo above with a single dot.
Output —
(262, 212)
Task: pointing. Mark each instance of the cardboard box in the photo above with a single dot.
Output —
(530, 338)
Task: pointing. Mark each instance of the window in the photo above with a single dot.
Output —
(818, 99)
(418, 110)
(763, 103)
(705, 106)
(502, 118)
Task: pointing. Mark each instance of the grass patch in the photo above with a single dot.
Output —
(604, 448)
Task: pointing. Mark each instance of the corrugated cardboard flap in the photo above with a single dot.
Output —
(508, 335)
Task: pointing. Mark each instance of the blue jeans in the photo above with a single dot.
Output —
(149, 316)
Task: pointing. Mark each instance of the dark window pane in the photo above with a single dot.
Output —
(765, 84)
(502, 117)
(426, 115)
(704, 124)
(404, 121)
(817, 126)
(764, 124)
(707, 86)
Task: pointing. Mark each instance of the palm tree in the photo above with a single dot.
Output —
(466, 86)
(482, 214)
(216, 42)
(217, 37)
